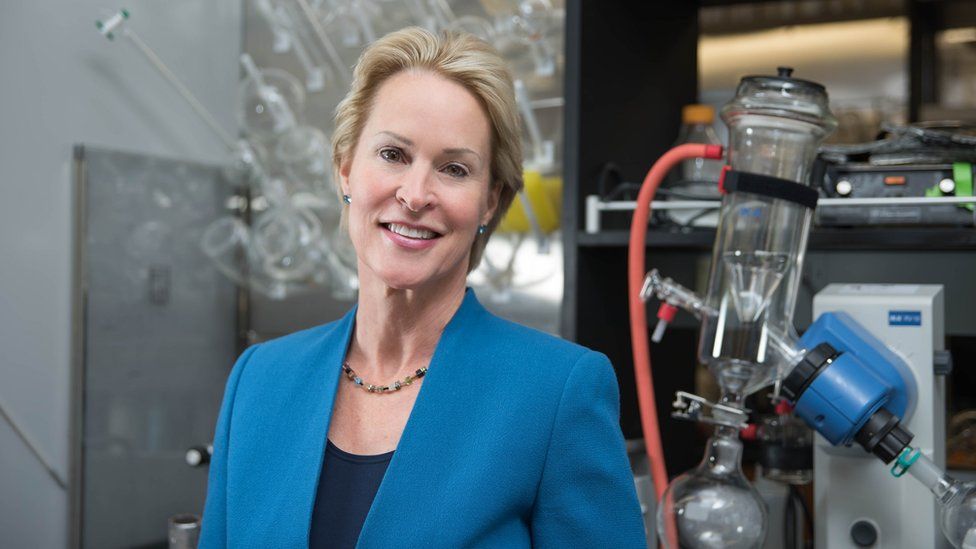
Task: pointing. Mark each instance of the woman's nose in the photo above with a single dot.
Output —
(415, 191)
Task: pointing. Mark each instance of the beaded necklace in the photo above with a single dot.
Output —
(369, 387)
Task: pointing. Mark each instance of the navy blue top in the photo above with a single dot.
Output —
(347, 486)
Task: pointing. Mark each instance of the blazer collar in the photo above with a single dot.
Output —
(424, 431)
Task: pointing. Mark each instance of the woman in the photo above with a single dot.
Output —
(419, 419)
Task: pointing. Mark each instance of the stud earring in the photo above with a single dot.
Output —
(347, 199)
(482, 229)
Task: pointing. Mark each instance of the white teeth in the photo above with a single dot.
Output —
(411, 232)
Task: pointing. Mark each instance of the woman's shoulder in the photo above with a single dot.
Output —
(297, 350)
(532, 372)
(526, 345)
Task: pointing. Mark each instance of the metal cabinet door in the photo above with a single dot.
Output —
(156, 336)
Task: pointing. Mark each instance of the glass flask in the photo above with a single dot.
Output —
(776, 124)
(530, 24)
(283, 238)
(787, 447)
(226, 242)
(304, 153)
(957, 499)
(282, 191)
(249, 163)
(336, 258)
(270, 103)
(713, 505)
(338, 20)
(533, 19)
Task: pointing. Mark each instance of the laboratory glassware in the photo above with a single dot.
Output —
(957, 500)
(472, 24)
(289, 35)
(530, 24)
(775, 125)
(304, 153)
(283, 238)
(271, 101)
(713, 505)
(786, 447)
(226, 241)
(695, 178)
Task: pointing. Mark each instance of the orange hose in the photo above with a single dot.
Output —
(638, 313)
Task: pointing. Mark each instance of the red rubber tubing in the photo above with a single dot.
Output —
(638, 313)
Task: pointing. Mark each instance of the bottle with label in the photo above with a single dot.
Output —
(697, 178)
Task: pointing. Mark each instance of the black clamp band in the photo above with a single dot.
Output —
(777, 455)
(803, 374)
(765, 185)
(884, 436)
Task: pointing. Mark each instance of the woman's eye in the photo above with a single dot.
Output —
(456, 170)
(391, 155)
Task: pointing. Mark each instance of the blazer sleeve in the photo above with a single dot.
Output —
(586, 497)
(214, 528)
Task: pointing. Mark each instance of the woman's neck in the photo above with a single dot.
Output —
(398, 330)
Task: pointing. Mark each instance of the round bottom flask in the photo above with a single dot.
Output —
(957, 499)
(959, 516)
(713, 505)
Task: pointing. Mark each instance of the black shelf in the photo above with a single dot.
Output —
(822, 238)
(630, 68)
(698, 239)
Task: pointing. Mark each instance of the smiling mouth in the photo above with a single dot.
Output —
(410, 232)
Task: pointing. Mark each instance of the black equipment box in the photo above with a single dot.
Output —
(852, 181)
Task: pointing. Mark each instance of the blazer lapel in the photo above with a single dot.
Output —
(437, 417)
(316, 413)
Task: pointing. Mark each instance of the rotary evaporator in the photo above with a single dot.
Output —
(845, 381)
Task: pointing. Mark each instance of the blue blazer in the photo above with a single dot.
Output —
(513, 441)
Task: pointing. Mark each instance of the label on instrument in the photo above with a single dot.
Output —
(875, 289)
(904, 318)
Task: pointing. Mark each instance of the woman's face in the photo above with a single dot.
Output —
(419, 180)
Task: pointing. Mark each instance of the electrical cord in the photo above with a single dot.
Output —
(34, 449)
(608, 170)
(621, 188)
(689, 223)
(795, 504)
(789, 521)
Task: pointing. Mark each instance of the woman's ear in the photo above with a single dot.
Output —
(494, 193)
(345, 167)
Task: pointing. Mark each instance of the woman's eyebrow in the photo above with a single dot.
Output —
(397, 136)
(462, 150)
(451, 150)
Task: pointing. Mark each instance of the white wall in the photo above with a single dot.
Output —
(62, 83)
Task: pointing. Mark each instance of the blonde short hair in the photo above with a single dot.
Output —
(461, 58)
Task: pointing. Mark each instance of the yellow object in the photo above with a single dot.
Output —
(697, 114)
(545, 199)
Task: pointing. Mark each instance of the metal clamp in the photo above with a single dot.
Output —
(695, 408)
(905, 460)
